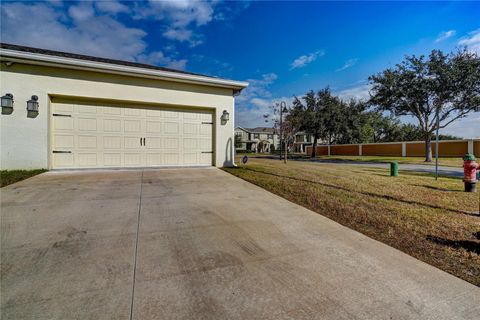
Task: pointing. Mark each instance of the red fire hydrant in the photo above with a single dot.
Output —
(470, 172)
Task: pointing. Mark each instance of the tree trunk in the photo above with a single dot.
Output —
(428, 148)
(314, 147)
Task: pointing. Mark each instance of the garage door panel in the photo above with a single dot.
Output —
(206, 116)
(112, 159)
(190, 158)
(112, 125)
(63, 160)
(171, 159)
(205, 144)
(171, 143)
(190, 128)
(133, 160)
(154, 127)
(154, 159)
(87, 124)
(189, 143)
(132, 126)
(153, 113)
(132, 142)
(63, 123)
(111, 110)
(206, 130)
(171, 114)
(154, 143)
(63, 107)
(127, 136)
(112, 142)
(87, 109)
(205, 159)
(87, 160)
(190, 115)
(133, 112)
(61, 141)
(171, 128)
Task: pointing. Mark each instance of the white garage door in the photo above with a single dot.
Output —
(109, 136)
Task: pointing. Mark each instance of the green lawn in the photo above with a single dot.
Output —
(434, 221)
(11, 176)
(447, 162)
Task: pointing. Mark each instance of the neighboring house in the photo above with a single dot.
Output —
(259, 139)
(302, 140)
(263, 139)
(102, 113)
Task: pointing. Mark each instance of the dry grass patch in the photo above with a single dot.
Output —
(11, 176)
(446, 162)
(434, 221)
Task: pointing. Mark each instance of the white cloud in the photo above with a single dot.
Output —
(158, 58)
(254, 102)
(472, 41)
(465, 127)
(445, 35)
(81, 12)
(183, 35)
(79, 30)
(111, 6)
(184, 12)
(181, 17)
(360, 92)
(348, 64)
(302, 61)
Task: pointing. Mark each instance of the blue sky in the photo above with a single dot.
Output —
(282, 48)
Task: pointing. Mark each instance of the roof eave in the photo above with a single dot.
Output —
(47, 60)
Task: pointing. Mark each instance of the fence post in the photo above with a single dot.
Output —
(470, 146)
(404, 149)
(360, 151)
(329, 150)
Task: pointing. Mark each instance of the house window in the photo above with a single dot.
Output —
(256, 136)
(270, 136)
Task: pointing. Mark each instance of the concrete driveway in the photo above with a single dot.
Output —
(200, 244)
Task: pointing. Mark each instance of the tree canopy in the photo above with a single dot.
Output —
(422, 87)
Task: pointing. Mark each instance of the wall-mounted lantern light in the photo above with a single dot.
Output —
(225, 116)
(7, 103)
(32, 107)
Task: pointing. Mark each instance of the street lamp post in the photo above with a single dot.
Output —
(283, 108)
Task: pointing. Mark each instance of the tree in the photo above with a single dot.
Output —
(447, 85)
(310, 116)
(334, 116)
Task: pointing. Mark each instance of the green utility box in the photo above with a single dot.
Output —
(394, 169)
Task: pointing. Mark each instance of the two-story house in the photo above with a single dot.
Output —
(259, 139)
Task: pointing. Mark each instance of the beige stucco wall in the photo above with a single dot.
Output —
(24, 141)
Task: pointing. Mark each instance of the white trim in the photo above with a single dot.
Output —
(48, 60)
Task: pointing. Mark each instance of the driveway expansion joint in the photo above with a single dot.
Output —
(136, 247)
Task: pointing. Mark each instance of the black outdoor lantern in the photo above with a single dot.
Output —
(32, 105)
(225, 116)
(7, 103)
